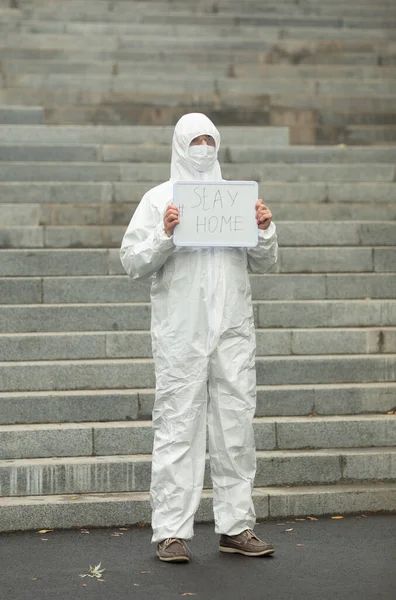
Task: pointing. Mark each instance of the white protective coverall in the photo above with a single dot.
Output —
(203, 341)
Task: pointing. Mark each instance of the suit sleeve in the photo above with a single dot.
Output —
(145, 246)
(263, 256)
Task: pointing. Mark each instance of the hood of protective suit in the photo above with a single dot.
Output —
(186, 167)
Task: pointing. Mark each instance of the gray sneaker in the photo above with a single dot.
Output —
(173, 550)
(246, 543)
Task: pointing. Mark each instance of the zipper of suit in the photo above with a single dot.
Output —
(212, 295)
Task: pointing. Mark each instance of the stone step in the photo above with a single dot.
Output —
(131, 508)
(271, 433)
(162, 34)
(160, 83)
(319, 116)
(50, 171)
(184, 27)
(290, 233)
(103, 22)
(191, 40)
(324, 259)
(26, 318)
(143, 12)
(236, 153)
(307, 126)
(370, 134)
(229, 5)
(139, 373)
(21, 115)
(77, 194)
(120, 213)
(108, 288)
(285, 50)
(343, 54)
(137, 344)
(183, 23)
(140, 134)
(130, 404)
(96, 11)
(234, 67)
(126, 473)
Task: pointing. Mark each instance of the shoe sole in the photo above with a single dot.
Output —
(238, 551)
(178, 559)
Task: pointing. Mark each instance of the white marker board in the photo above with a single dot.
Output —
(216, 213)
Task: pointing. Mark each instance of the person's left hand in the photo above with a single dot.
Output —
(263, 215)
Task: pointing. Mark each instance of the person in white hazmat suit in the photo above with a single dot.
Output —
(203, 341)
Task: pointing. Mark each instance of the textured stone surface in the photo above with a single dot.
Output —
(19, 263)
(325, 369)
(53, 192)
(20, 115)
(336, 432)
(332, 500)
(123, 473)
(84, 317)
(88, 290)
(70, 406)
(49, 153)
(99, 510)
(140, 134)
(20, 290)
(76, 375)
(30, 441)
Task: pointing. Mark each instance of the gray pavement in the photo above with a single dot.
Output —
(324, 559)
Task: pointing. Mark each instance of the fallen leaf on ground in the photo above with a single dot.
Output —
(299, 544)
(123, 528)
(337, 517)
(44, 539)
(84, 585)
(74, 498)
(289, 529)
(94, 572)
(300, 519)
(35, 578)
(84, 531)
(136, 584)
(44, 531)
(117, 534)
(189, 594)
(145, 571)
(312, 518)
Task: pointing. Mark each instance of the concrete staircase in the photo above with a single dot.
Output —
(76, 375)
(324, 69)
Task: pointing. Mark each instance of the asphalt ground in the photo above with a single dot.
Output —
(324, 559)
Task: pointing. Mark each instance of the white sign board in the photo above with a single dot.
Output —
(216, 213)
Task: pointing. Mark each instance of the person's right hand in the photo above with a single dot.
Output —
(171, 219)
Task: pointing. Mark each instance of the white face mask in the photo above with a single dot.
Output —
(202, 157)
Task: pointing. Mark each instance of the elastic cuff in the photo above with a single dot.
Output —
(163, 237)
(266, 234)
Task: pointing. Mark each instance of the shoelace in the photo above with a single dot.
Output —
(170, 541)
(249, 534)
